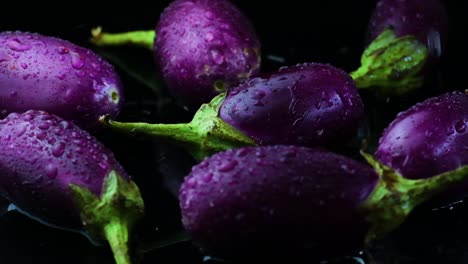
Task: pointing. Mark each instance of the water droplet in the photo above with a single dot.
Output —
(76, 60)
(16, 45)
(51, 171)
(207, 177)
(58, 149)
(62, 50)
(28, 117)
(209, 14)
(217, 56)
(43, 125)
(227, 166)
(191, 182)
(62, 76)
(460, 126)
(95, 66)
(79, 73)
(20, 130)
(41, 135)
(58, 131)
(65, 124)
(259, 94)
(225, 26)
(242, 152)
(4, 57)
(24, 65)
(209, 36)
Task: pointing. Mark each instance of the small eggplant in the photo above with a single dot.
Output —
(60, 175)
(407, 40)
(277, 199)
(308, 104)
(57, 76)
(202, 48)
(428, 139)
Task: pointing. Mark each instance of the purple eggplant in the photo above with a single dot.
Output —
(202, 48)
(428, 139)
(60, 175)
(268, 199)
(426, 20)
(407, 38)
(54, 75)
(308, 104)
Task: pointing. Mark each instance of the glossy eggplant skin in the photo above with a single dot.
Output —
(427, 20)
(202, 42)
(308, 104)
(258, 199)
(429, 138)
(57, 76)
(41, 155)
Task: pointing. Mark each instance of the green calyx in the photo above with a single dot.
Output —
(111, 216)
(140, 38)
(392, 63)
(394, 197)
(204, 136)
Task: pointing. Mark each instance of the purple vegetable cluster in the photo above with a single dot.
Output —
(271, 172)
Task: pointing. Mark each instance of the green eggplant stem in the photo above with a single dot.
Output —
(204, 136)
(112, 215)
(139, 38)
(394, 197)
(116, 233)
(392, 64)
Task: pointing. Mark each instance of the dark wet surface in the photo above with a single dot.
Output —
(317, 31)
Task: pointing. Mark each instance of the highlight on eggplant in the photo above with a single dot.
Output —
(407, 39)
(55, 75)
(274, 200)
(60, 175)
(308, 104)
(201, 47)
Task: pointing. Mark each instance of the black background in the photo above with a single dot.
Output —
(299, 31)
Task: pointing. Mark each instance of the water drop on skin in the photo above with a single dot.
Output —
(51, 171)
(43, 125)
(79, 73)
(41, 135)
(207, 177)
(227, 166)
(460, 126)
(58, 149)
(4, 57)
(16, 45)
(258, 95)
(217, 57)
(76, 60)
(20, 131)
(62, 50)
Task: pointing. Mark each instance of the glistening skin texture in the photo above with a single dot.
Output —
(41, 155)
(284, 197)
(427, 20)
(308, 104)
(428, 138)
(60, 175)
(200, 42)
(54, 75)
